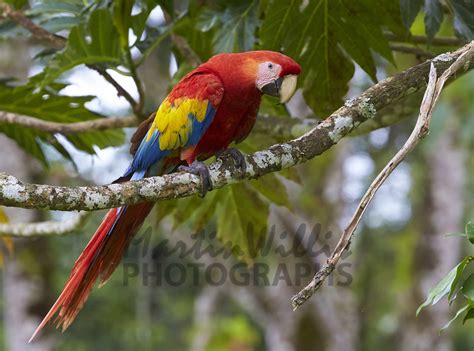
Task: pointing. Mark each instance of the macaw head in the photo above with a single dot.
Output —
(266, 72)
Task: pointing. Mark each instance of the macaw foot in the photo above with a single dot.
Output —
(237, 155)
(200, 169)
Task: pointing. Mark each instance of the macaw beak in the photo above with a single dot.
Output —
(283, 87)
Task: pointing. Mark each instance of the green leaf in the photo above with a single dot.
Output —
(460, 269)
(122, 12)
(18, 4)
(164, 209)
(138, 23)
(291, 174)
(47, 105)
(447, 285)
(197, 212)
(468, 288)
(315, 34)
(388, 15)
(166, 5)
(433, 18)
(242, 28)
(269, 106)
(325, 69)
(9, 29)
(271, 188)
(201, 42)
(57, 24)
(236, 26)
(458, 313)
(469, 230)
(52, 7)
(463, 18)
(207, 20)
(154, 37)
(96, 41)
(54, 142)
(469, 314)
(371, 21)
(241, 214)
(242, 221)
(27, 139)
(205, 210)
(409, 9)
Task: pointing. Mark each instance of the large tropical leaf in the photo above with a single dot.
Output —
(242, 221)
(235, 24)
(92, 42)
(463, 18)
(47, 105)
(316, 34)
(463, 13)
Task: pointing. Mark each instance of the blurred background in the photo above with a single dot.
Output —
(169, 294)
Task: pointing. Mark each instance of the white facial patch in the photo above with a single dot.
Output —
(267, 73)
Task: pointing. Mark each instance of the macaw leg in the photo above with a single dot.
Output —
(237, 155)
(200, 169)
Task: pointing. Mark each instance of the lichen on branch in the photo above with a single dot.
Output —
(15, 193)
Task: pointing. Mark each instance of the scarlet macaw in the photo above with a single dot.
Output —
(211, 107)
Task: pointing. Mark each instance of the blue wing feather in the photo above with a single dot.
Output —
(198, 128)
(149, 151)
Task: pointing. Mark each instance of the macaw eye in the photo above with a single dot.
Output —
(270, 66)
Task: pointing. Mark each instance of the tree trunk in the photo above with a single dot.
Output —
(436, 254)
(27, 275)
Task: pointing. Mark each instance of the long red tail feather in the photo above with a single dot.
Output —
(99, 259)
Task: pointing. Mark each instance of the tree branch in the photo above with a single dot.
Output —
(286, 128)
(283, 128)
(56, 41)
(185, 49)
(419, 39)
(137, 107)
(412, 50)
(44, 228)
(120, 89)
(420, 130)
(68, 128)
(354, 112)
(183, 46)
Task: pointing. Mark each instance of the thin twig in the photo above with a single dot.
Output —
(120, 90)
(44, 228)
(182, 45)
(420, 130)
(56, 41)
(419, 39)
(68, 128)
(185, 49)
(138, 107)
(283, 128)
(412, 50)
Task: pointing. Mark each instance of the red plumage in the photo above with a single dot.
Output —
(98, 260)
(229, 82)
(237, 111)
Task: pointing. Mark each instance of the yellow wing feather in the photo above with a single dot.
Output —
(173, 123)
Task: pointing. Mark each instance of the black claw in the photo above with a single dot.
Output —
(200, 169)
(238, 157)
